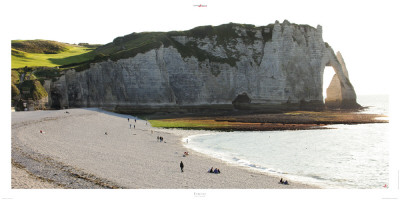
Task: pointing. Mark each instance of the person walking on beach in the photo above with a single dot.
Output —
(181, 165)
(128, 119)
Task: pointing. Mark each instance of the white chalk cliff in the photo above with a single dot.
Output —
(276, 66)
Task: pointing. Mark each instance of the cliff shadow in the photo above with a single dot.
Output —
(100, 110)
(73, 59)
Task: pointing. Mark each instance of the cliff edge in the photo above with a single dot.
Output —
(232, 66)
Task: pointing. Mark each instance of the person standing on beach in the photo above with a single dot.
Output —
(128, 119)
(181, 165)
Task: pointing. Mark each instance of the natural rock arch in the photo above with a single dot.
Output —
(340, 93)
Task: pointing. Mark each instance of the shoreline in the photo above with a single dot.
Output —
(128, 158)
(294, 120)
(194, 133)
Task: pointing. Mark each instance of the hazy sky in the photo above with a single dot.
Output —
(365, 32)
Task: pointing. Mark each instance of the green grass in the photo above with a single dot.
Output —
(174, 124)
(15, 75)
(39, 46)
(72, 54)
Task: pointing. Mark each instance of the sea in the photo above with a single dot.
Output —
(344, 156)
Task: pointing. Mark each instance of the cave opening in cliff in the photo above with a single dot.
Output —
(329, 72)
(241, 100)
(55, 98)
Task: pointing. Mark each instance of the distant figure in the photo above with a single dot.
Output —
(158, 138)
(286, 183)
(134, 126)
(105, 133)
(281, 181)
(41, 131)
(187, 141)
(130, 125)
(216, 171)
(135, 120)
(67, 112)
(211, 170)
(128, 119)
(181, 165)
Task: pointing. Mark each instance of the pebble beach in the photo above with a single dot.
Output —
(94, 148)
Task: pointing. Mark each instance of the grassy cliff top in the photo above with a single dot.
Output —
(134, 43)
(39, 46)
(50, 53)
(34, 53)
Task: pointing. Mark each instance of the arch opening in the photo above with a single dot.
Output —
(329, 72)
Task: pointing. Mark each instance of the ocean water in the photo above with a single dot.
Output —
(346, 156)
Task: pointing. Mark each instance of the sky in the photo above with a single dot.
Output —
(365, 32)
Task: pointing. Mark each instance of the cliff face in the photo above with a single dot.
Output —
(280, 65)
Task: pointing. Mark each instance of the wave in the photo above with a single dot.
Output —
(327, 164)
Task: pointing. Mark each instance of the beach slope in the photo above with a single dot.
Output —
(93, 148)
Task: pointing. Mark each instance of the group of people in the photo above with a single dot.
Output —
(215, 171)
(160, 139)
(284, 182)
(128, 120)
(130, 125)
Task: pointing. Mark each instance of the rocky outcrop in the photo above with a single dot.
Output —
(279, 66)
